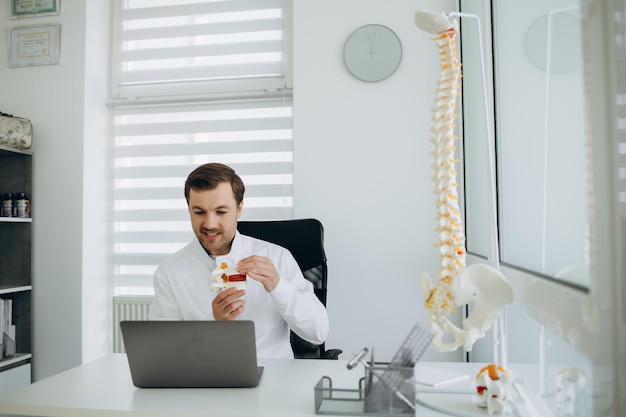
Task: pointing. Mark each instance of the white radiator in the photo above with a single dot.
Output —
(128, 307)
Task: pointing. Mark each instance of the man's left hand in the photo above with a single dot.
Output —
(260, 269)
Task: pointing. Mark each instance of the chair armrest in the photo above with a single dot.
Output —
(331, 354)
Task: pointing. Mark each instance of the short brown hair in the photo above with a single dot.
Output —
(209, 176)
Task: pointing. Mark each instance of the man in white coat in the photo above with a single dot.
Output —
(277, 297)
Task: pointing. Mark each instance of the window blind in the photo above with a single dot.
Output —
(187, 90)
(173, 47)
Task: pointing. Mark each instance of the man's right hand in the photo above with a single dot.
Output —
(228, 304)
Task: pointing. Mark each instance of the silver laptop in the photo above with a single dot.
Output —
(191, 354)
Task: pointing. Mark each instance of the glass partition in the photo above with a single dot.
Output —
(561, 192)
(475, 157)
(540, 136)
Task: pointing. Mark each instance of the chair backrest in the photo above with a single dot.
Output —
(304, 238)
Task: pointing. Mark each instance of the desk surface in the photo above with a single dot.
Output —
(104, 388)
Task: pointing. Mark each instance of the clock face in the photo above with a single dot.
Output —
(372, 53)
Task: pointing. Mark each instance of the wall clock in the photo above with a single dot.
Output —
(372, 53)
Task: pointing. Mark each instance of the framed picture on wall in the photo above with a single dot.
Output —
(34, 8)
(34, 45)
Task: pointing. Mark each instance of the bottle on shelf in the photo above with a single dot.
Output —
(7, 205)
(15, 205)
(22, 205)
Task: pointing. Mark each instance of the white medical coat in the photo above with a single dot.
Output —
(182, 285)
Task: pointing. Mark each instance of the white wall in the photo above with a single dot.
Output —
(96, 288)
(362, 167)
(52, 97)
(58, 102)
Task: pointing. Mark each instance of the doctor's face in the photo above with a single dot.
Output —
(214, 215)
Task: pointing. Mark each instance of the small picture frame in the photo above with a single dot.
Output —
(21, 9)
(34, 45)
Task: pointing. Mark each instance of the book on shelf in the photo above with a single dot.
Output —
(9, 344)
(7, 328)
(2, 324)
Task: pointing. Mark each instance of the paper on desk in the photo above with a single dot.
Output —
(436, 377)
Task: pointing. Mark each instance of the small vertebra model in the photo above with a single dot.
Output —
(493, 386)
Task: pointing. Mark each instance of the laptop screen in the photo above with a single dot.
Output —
(191, 354)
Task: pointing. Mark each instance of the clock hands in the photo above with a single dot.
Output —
(374, 42)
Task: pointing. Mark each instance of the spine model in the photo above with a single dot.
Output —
(440, 300)
(483, 288)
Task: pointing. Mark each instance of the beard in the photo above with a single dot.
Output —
(215, 241)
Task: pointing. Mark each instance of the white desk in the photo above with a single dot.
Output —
(104, 388)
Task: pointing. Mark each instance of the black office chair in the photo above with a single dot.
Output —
(304, 238)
